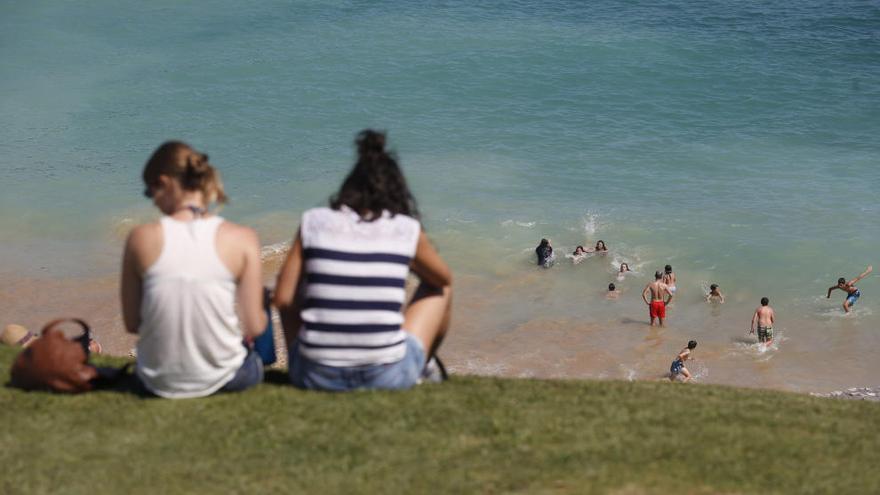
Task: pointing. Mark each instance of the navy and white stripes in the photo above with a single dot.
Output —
(355, 275)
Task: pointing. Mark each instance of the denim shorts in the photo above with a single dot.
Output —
(401, 375)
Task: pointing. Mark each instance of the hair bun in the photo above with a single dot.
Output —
(370, 142)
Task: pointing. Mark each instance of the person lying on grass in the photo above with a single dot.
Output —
(182, 277)
(341, 289)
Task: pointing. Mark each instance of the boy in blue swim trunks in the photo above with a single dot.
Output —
(852, 292)
(677, 367)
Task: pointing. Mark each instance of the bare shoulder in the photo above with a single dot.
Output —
(238, 235)
(145, 236)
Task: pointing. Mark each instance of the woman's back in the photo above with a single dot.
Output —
(190, 338)
(355, 274)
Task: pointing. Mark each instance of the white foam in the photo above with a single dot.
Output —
(273, 250)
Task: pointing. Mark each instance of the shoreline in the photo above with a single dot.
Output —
(543, 348)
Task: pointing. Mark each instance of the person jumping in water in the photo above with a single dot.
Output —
(852, 292)
(677, 367)
(657, 306)
(715, 294)
(763, 320)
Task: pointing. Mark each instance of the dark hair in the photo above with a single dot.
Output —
(376, 182)
(841, 280)
(544, 242)
(658, 275)
(604, 247)
(692, 344)
(611, 287)
(713, 286)
(180, 161)
(765, 301)
(668, 268)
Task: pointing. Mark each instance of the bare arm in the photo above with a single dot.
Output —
(287, 288)
(429, 266)
(772, 317)
(130, 287)
(671, 296)
(863, 275)
(645, 294)
(250, 286)
(831, 289)
(754, 322)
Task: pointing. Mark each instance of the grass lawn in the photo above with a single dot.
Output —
(470, 435)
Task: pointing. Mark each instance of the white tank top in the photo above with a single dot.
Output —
(190, 339)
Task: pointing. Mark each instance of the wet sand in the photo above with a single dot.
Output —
(494, 333)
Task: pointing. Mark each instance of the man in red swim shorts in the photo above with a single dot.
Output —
(657, 304)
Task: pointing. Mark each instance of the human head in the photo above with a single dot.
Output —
(658, 275)
(544, 243)
(692, 344)
(175, 168)
(376, 182)
(841, 281)
(765, 301)
(600, 245)
(579, 249)
(713, 287)
(611, 287)
(668, 269)
(624, 267)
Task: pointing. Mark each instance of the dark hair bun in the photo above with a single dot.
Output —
(370, 142)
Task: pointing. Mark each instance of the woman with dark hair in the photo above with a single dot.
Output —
(545, 255)
(341, 289)
(191, 285)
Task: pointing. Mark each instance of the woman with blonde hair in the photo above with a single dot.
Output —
(182, 278)
(341, 290)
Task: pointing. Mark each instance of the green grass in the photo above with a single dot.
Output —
(482, 435)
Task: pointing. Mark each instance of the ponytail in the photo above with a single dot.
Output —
(179, 160)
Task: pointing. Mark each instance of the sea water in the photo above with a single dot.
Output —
(736, 141)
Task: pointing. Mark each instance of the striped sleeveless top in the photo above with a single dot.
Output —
(355, 273)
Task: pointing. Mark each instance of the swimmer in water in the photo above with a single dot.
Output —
(669, 279)
(852, 292)
(612, 293)
(677, 367)
(621, 273)
(657, 306)
(579, 251)
(544, 251)
(715, 294)
(600, 248)
(763, 320)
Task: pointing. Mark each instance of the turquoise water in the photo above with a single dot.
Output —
(735, 140)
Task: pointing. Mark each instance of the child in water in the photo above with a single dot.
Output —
(612, 293)
(763, 321)
(852, 292)
(677, 367)
(621, 273)
(715, 294)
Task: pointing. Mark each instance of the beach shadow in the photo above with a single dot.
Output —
(276, 377)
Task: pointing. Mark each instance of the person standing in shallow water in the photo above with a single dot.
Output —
(341, 291)
(852, 292)
(544, 253)
(669, 279)
(657, 305)
(763, 321)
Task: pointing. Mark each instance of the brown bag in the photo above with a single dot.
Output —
(54, 362)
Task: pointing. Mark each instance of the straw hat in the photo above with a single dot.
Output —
(16, 335)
